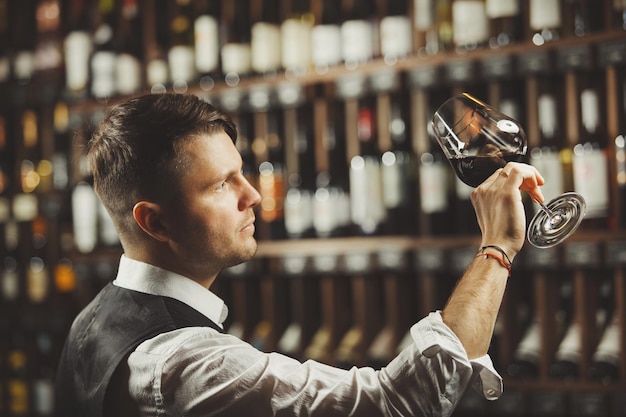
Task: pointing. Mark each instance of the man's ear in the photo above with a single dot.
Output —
(148, 217)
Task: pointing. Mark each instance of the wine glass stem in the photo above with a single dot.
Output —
(545, 209)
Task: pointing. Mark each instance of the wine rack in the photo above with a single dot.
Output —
(328, 290)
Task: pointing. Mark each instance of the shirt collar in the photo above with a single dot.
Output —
(150, 279)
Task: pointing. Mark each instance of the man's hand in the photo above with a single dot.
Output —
(499, 207)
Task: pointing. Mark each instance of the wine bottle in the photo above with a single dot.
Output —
(605, 361)
(580, 258)
(396, 38)
(62, 149)
(504, 22)
(180, 55)
(359, 34)
(300, 171)
(44, 356)
(366, 310)
(77, 47)
(582, 17)
(157, 41)
(590, 163)
(23, 31)
(270, 158)
(618, 14)
(304, 306)
(295, 34)
(331, 203)
(326, 38)
(393, 263)
(620, 179)
(37, 271)
(425, 22)
(335, 308)
(207, 36)
(470, 24)
(85, 217)
(443, 18)
(5, 45)
(265, 41)
(366, 203)
(546, 156)
(434, 186)
(545, 20)
(236, 52)
(129, 47)
(244, 294)
(397, 164)
(274, 312)
(48, 53)
(18, 401)
(104, 57)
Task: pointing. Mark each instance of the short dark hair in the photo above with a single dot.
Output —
(134, 153)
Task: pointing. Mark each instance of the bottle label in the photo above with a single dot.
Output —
(10, 283)
(265, 47)
(236, 58)
(24, 65)
(25, 207)
(326, 207)
(295, 44)
(433, 187)
(357, 37)
(128, 74)
(548, 163)
(591, 179)
(326, 45)
(157, 72)
(393, 181)
(206, 36)
(181, 64)
(103, 74)
(424, 14)
(501, 8)
(298, 211)
(470, 25)
(545, 14)
(367, 208)
(84, 213)
(395, 37)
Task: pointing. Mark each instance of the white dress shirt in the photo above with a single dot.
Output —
(198, 371)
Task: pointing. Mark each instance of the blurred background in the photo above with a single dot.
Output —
(363, 227)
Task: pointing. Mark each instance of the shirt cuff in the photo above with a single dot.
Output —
(432, 336)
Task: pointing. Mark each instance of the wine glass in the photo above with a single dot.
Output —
(477, 140)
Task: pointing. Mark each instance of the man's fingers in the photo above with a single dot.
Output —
(526, 177)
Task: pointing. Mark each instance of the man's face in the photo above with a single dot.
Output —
(212, 224)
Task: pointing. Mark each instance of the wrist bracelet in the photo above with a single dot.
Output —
(499, 249)
(504, 261)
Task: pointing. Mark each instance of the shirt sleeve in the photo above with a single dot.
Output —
(198, 371)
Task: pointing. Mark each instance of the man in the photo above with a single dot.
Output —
(151, 343)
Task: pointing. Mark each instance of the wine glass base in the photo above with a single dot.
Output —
(545, 231)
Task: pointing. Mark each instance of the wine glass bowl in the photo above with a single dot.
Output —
(477, 140)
